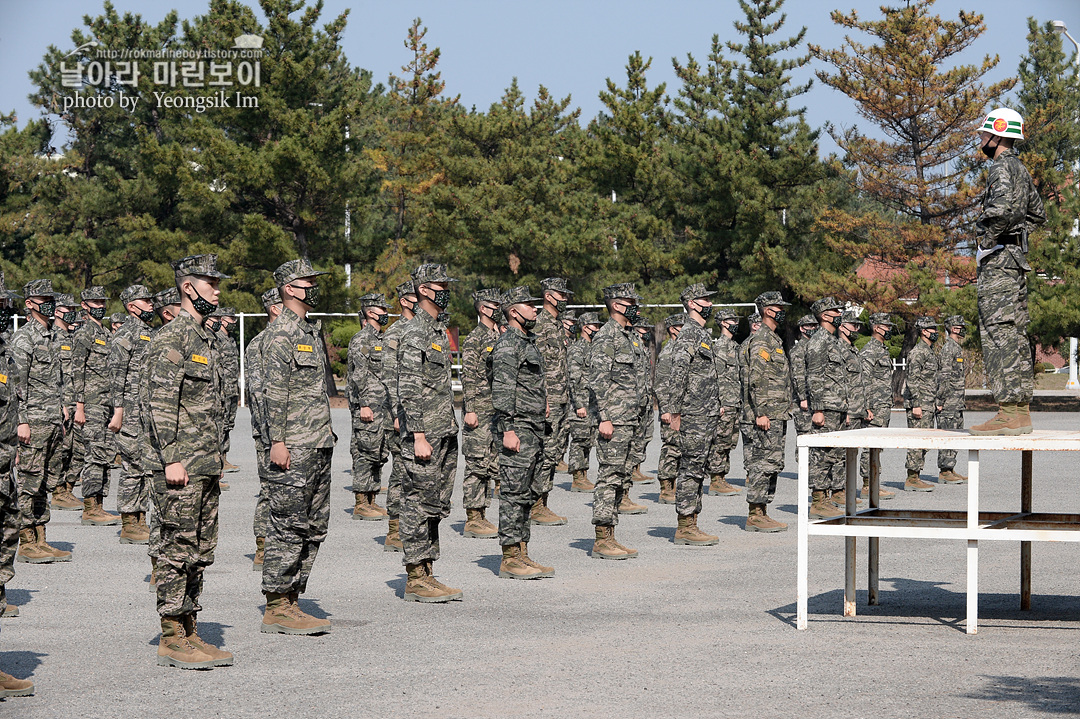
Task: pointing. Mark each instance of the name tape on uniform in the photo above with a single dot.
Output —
(304, 348)
(200, 359)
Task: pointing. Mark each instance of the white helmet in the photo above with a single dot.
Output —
(1004, 122)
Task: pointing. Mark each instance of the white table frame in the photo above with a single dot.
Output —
(971, 524)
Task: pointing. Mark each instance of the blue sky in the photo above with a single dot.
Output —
(569, 46)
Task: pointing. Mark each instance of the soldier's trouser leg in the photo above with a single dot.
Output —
(727, 438)
(554, 445)
(765, 460)
(946, 458)
(299, 519)
(642, 437)
(519, 485)
(1003, 321)
(73, 455)
(232, 401)
(824, 459)
(95, 469)
(670, 453)
(132, 491)
(261, 524)
(189, 532)
(9, 525)
(915, 457)
(397, 472)
(425, 497)
(38, 461)
(369, 453)
(696, 436)
(880, 420)
(582, 437)
(803, 422)
(481, 463)
(613, 456)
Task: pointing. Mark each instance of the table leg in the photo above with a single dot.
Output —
(804, 537)
(973, 544)
(850, 508)
(874, 543)
(1025, 547)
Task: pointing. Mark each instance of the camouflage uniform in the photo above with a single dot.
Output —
(72, 452)
(878, 372)
(392, 342)
(644, 433)
(365, 386)
(478, 443)
(951, 416)
(726, 356)
(254, 386)
(93, 390)
(551, 341)
(582, 429)
(164, 298)
(9, 419)
(923, 390)
(797, 360)
(1011, 208)
(230, 373)
(668, 467)
(297, 414)
(827, 392)
(427, 403)
(127, 354)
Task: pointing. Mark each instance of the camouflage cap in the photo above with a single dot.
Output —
(926, 322)
(224, 312)
(97, 292)
(754, 317)
(589, 318)
(270, 298)
(694, 292)
(881, 318)
(640, 321)
(851, 317)
(4, 291)
(199, 265)
(430, 272)
(724, 313)
(825, 304)
(520, 295)
(488, 294)
(166, 297)
(772, 298)
(955, 321)
(676, 320)
(65, 300)
(373, 299)
(568, 316)
(39, 288)
(135, 292)
(117, 318)
(293, 270)
(621, 291)
(406, 288)
(555, 284)
(806, 320)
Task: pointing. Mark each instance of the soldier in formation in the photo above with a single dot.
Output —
(951, 415)
(583, 414)
(369, 406)
(222, 323)
(806, 327)
(827, 400)
(668, 467)
(877, 373)
(72, 453)
(922, 395)
(407, 300)
(726, 355)
(551, 341)
(254, 384)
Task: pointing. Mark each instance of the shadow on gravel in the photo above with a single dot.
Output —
(398, 585)
(667, 533)
(311, 606)
(653, 497)
(65, 546)
(584, 545)
(490, 562)
(20, 664)
(1054, 695)
(733, 520)
(20, 597)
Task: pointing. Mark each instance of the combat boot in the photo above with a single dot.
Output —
(392, 542)
(914, 484)
(62, 498)
(132, 532)
(638, 476)
(419, 586)
(228, 466)
(513, 567)
(1023, 417)
(12, 687)
(689, 533)
(758, 520)
(839, 498)
(581, 482)
(604, 547)
(220, 657)
(543, 516)
(58, 555)
(478, 527)
(630, 553)
(822, 508)
(29, 551)
(141, 516)
(547, 571)
(720, 486)
(282, 617)
(94, 515)
(174, 649)
(429, 568)
(561, 467)
(10, 611)
(882, 492)
(223, 485)
(948, 476)
(628, 506)
(260, 553)
(301, 615)
(366, 509)
(1007, 422)
(667, 491)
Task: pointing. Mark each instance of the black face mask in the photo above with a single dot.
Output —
(779, 317)
(147, 316)
(311, 295)
(233, 330)
(213, 325)
(48, 309)
(705, 312)
(561, 306)
(202, 306)
(989, 149)
(527, 325)
(631, 313)
(932, 337)
(98, 313)
(69, 317)
(961, 332)
(441, 299)
(383, 319)
(831, 321)
(889, 334)
(731, 327)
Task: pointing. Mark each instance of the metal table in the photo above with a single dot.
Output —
(971, 524)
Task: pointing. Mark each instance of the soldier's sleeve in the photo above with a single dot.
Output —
(164, 375)
(22, 353)
(277, 368)
(473, 372)
(252, 371)
(756, 380)
(601, 357)
(1000, 212)
(119, 359)
(681, 356)
(356, 376)
(504, 368)
(1036, 213)
(579, 397)
(410, 382)
(916, 380)
(798, 369)
(662, 380)
(816, 390)
(80, 352)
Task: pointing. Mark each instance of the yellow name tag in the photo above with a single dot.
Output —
(100, 342)
(764, 354)
(304, 348)
(437, 348)
(635, 344)
(142, 337)
(3, 379)
(379, 348)
(705, 346)
(200, 359)
(65, 348)
(778, 351)
(959, 359)
(488, 349)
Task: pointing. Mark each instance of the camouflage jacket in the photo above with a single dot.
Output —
(424, 390)
(951, 361)
(127, 354)
(230, 363)
(9, 414)
(90, 360)
(577, 366)
(663, 377)
(518, 385)
(726, 353)
(826, 373)
(797, 359)
(1010, 204)
(254, 384)
(923, 388)
(65, 349)
(392, 343)
(693, 387)
(297, 408)
(766, 389)
(617, 366)
(858, 401)
(38, 381)
(365, 385)
(551, 341)
(475, 369)
(878, 371)
(185, 413)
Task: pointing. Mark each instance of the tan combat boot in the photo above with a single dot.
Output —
(366, 509)
(220, 657)
(638, 476)
(513, 567)
(94, 515)
(561, 467)
(546, 571)
(581, 482)
(882, 492)
(630, 553)
(689, 533)
(429, 568)
(143, 524)
(948, 476)
(420, 588)
(62, 498)
(260, 554)
(914, 484)
(478, 527)
(1011, 419)
(392, 542)
(12, 687)
(628, 506)
(604, 547)
(822, 508)
(59, 555)
(839, 498)
(174, 649)
(132, 532)
(758, 520)
(301, 615)
(1023, 417)
(720, 486)
(228, 466)
(543, 516)
(29, 551)
(283, 617)
(667, 491)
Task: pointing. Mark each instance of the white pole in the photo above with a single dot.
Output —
(243, 384)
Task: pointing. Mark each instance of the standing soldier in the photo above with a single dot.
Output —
(407, 299)
(254, 386)
(301, 447)
(827, 399)
(369, 405)
(477, 440)
(668, 467)
(41, 420)
(1011, 209)
(583, 419)
(71, 450)
(224, 320)
(922, 395)
(644, 435)
(519, 396)
(797, 359)
(617, 376)
(726, 356)
(551, 341)
(127, 354)
(859, 413)
(184, 426)
(878, 371)
(429, 434)
(167, 306)
(951, 415)
(766, 408)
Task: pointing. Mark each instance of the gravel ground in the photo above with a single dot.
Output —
(681, 631)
